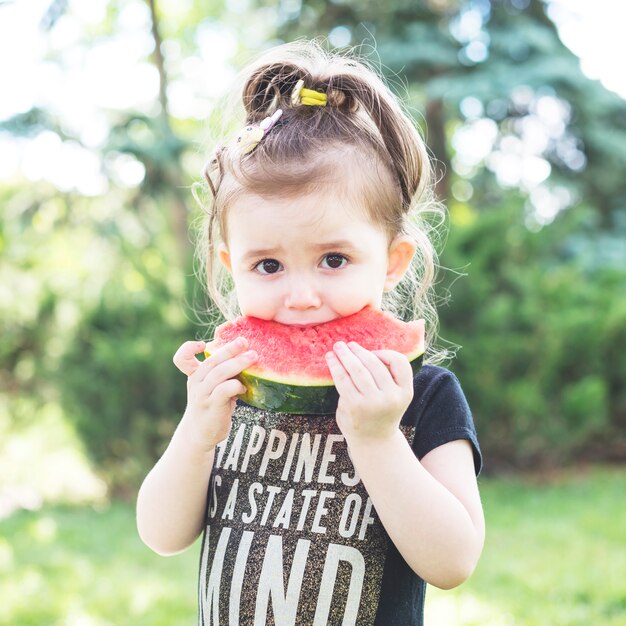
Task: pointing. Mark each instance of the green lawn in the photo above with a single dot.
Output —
(555, 556)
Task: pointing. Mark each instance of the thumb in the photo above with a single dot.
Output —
(185, 358)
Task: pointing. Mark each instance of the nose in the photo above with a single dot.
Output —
(302, 294)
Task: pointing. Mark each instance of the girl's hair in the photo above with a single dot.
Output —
(362, 146)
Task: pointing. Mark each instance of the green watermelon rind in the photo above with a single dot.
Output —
(313, 398)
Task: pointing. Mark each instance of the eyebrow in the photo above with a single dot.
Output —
(340, 244)
(261, 252)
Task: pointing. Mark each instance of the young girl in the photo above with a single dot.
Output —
(317, 212)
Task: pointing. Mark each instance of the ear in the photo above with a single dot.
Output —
(399, 257)
(224, 256)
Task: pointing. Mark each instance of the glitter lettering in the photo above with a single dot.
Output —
(290, 455)
(235, 449)
(335, 554)
(307, 457)
(284, 515)
(272, 491)
(210, 598)
(238, 575)
(307, 494)
(352, 513)
(272, 453)
(367, 519)
(229, 508)
(216, 481)
(301, 455)
(321, 511)
(254, 488)
(284, 604)
(254, 445)
(327, 458)
(271, 597)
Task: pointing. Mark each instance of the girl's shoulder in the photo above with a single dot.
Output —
(437, 391)
(440, 412)
(432, 377)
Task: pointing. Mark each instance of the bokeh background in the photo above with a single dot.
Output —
(106, 110)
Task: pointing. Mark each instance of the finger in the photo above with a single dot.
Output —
(222, 354)
(185, 357)
(377, 369)
(227, 391)
(226, 370)
(399, 366)
(340, 376)
(356, 368)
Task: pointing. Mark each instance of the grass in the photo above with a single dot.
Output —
(80, 566)
(554, 556)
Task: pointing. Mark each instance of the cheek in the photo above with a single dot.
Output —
(353, 294)
(254, 299)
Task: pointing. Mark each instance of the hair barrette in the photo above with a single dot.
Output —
(309, 97)
(249, 137)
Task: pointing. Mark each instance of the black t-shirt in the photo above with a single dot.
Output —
(291, 535)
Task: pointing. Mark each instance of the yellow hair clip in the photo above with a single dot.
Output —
(249, 137)
(309, 97)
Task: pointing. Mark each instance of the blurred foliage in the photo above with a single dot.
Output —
(119, 387)
(90, 316)
(97, 290)
(542, 327)
(505, 54)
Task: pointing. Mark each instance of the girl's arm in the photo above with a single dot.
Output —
(431, 509)
(172, 499)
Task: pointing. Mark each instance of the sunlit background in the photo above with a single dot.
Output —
(83, 80)
(107, 109)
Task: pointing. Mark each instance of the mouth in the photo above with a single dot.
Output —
(303, 324)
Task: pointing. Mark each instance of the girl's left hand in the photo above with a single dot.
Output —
(375, 389)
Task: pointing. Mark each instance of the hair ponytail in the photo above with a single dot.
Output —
(268, 87)
(351, 87)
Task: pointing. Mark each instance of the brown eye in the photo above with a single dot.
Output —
(268, 266)
(334, 261)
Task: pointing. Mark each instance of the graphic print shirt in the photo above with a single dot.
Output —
(292, 538)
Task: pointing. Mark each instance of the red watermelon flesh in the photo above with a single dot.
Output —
(296, 354)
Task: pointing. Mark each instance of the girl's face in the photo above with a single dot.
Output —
(309, 260)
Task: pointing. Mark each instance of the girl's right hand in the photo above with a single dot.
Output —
(212, 388)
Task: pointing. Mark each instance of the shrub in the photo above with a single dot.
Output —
(542, 324)
(119, 386)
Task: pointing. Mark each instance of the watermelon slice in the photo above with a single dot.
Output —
(291, 375)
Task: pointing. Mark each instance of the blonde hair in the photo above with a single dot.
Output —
(365, 129)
